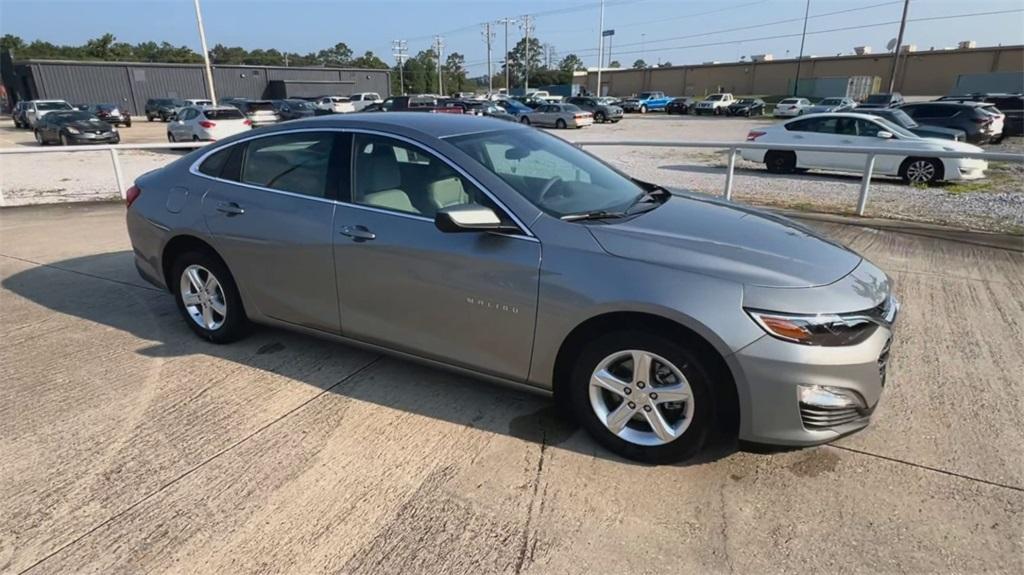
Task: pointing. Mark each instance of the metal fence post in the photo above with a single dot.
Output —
(117, 172)
(865, 184)
(728, 174)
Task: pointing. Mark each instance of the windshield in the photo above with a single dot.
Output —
(223, 114)
(646, 95)
(902, 132)
(715, 97)
(516, 106)
(73, 117)
(831, 102)
(878, 99)
(54, 106)
(789, 101)
(745, 101)
(900, 118)
(299, 104)
(552, 174)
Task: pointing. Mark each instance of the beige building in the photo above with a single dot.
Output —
(922, 73)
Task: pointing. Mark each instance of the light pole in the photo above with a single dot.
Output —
(206, 54)
(508, 85)
(600, 50)
(800, 59)
(400, 50)
(899, 45)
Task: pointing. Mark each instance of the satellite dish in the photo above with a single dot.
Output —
(891, 45)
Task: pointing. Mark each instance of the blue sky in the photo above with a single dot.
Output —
(680, 31)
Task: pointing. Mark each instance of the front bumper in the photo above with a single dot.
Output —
(962, 170)
(790, 113)
(88, 138)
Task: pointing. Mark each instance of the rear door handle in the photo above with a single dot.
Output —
(798, 137)
(230, 208)
(846, 141)
(358, 233)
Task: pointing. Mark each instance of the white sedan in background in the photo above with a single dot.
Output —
(559, 116)
(791, 107)
(207, 124)
(914, 164)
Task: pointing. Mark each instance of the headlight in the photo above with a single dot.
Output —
(113, 129)
(71, 130)
(821, 329)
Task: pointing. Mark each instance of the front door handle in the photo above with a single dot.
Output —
(358, 233)
(798, 137)
(230, 208)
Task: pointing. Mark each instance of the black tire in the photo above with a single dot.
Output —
(560, 124)
(39, 137)
(64, 140)
(921, 171)
(170, 138)
(689, 363)
(524, 120)
(149, 118)
(128, 124)
(235, 324)
(599, 118)
(780, 162)
(643, 108)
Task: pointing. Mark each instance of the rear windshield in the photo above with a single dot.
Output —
(789, 101)
(571, 108)
(746, 101)
(54, 106)
(106, 107)
(232, 114)
(831, 102)
(878, 99)
(1008, 103)
(259, 106)
(299, 104)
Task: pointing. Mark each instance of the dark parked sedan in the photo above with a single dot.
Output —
(901, 119)
(111, 114)
(293, 109)
(746, 107)
(980, 126)
(74, 128)
(680, 105)
(602, 112)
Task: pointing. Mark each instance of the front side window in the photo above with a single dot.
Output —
(554, 175)
(294, 163)
(393, 175)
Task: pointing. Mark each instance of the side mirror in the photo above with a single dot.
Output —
(469, 218)
(884, 135)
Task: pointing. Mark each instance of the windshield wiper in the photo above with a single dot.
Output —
(595, 215)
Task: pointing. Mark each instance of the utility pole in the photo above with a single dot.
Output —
(440, 46)
(206, 54)
(526, 25)
(488, 36)
(899, 46)
(600, 49)
(800, 60)
(506, 22)
(400, 50)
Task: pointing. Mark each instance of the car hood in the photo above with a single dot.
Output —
(85, 125)
(727, 241)
(929, 129)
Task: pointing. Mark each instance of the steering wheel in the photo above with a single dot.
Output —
(547, 189)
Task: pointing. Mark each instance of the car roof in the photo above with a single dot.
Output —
(435, 125)
(48, 101)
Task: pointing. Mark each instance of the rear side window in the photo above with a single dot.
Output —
(214, 165)
(296, 163)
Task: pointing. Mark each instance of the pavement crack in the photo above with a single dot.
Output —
(929, 468)
(524, 541)
(725, 528)
(200, 465)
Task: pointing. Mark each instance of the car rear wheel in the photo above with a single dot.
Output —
(643, 396)
(170, 138)
(207, 297)
(780, 162)
(39, 138)
(921, 170)
(524, 120)
(560, 124)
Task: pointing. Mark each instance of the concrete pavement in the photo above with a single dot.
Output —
(128, 445)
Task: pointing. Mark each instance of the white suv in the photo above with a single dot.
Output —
(336, 104)
(364, 99)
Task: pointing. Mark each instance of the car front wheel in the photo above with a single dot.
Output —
(643, 396)
(643, 109)
(599, 117)
(524, 120)
(207, 297)
(39, 138)
(780, 162)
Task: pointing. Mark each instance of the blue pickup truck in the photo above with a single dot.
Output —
(646, 102)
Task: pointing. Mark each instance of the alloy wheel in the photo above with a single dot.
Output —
(921, 172)
(203, 297)
(641, 397)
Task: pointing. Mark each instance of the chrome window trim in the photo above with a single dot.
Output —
(194, 170)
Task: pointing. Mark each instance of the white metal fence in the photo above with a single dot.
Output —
(732, 148)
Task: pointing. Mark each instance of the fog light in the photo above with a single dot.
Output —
(830, 397)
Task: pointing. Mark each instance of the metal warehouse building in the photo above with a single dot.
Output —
(130, 84)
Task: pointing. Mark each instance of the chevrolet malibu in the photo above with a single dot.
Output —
(654, 317)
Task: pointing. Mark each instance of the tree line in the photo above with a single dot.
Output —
(419, 72)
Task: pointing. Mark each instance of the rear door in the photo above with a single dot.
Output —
(464, 298)
(271, 214)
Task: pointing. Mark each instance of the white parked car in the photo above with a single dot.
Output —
(336, 104)
(862, 130)
(364, 99)
(207, 123)
(791, 107)
(714, 104)
(36, 109)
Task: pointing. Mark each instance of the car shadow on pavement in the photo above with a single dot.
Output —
(104, 289)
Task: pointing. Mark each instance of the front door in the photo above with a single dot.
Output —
(271, 213)
(464, 298)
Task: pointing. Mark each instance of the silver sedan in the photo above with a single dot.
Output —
(559, 116)
(654, 317)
